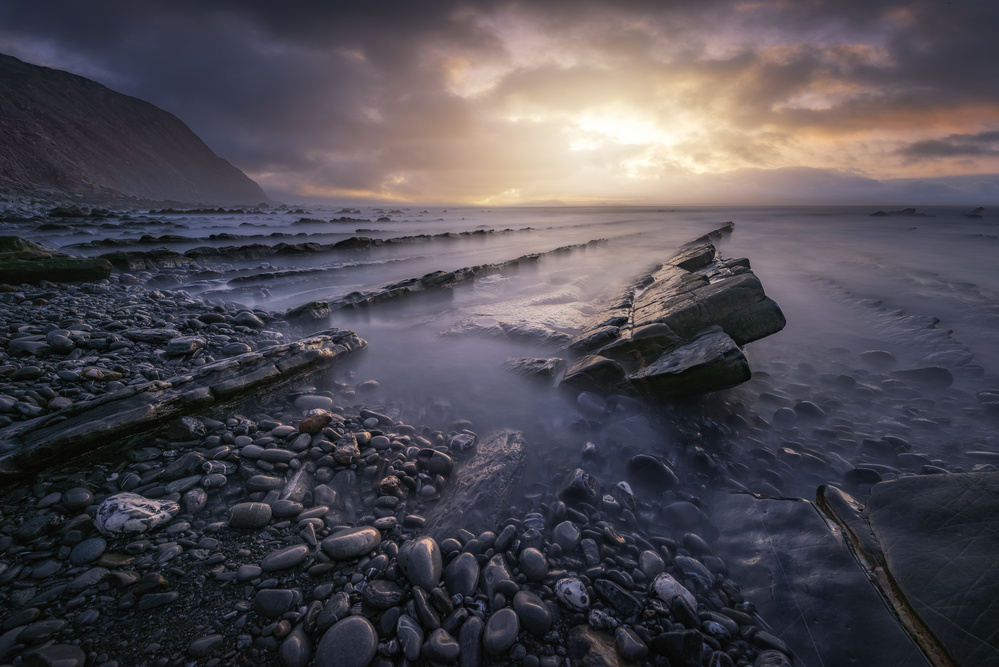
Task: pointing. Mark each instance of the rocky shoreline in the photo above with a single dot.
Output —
(218, 474)
(304, 526)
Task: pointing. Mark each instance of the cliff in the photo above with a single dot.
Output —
(64, 135)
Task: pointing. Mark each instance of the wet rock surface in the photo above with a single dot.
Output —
(677, 332)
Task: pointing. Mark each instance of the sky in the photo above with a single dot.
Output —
(646, 102)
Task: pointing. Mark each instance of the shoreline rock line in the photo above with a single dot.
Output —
(87, 426)
(437, 280)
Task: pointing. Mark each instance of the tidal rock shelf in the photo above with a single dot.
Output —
(929, 543)
(677, 331)
(144, 260)
(436, 281)
(138, 409)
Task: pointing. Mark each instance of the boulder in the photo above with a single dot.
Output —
(677, 331)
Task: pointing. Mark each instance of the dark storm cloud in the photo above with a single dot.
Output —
(956, 145)
(361, 97)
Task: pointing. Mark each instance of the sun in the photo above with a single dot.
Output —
(589, 130)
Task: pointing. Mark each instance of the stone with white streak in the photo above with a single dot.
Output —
(125, 513)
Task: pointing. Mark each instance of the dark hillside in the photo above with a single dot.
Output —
(62, 134)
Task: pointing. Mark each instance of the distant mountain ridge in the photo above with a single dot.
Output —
(63, 134)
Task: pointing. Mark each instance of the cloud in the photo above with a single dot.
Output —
(955, 145)
(450, 100)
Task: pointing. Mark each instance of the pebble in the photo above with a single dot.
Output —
(205, 646)
(441, 647)
(462, 575)
(532, 611)
(283, 559)
(630, 645)
(382, 594)
(410, 636)
(421, 561)
(56, 655)
(667, 588)
(533, 564)
(88, 550)
(272, 602)
(125, 513)
(501, 631)
(571, 592)
(310, 402)
(296, 649)
(566, 535)
(351, 642)
(351, 543)
(77, 498)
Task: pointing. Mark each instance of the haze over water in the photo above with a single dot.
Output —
(925, 289)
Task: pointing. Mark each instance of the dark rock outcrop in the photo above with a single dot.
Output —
(905, 213)
(678, 331)
(64, 135)
(22, 261)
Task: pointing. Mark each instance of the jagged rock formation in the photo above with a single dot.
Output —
(677, 331)
(63, 135)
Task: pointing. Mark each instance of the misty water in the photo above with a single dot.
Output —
(923, 288)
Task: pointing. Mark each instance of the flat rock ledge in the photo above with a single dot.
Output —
(928, 543)
(678, 331)
(486, 487)
(147, 408)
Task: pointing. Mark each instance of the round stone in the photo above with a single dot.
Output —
(630, 645)
(566, 535)
(441, 647)
(249, 515)
(351, 642)
(534, 615)
(313, 402)
(382, 594)
(651, 564)
(572, 593)
(421, 562)
(63, 655)
(296, 649)
(125, 513)
(351, 543)
(533, 564)
(204, 646)
(462, 575)
(272, 602)
(501, 631)
(77, 498)
(285, 558)
(88, 550)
